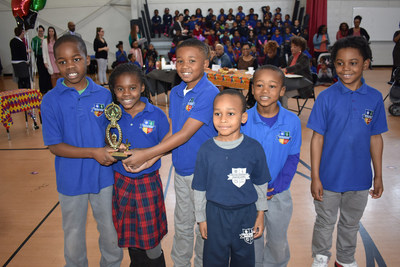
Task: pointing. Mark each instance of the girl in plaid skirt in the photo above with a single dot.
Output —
(138, 204)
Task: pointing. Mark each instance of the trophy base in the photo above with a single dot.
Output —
(120, 155)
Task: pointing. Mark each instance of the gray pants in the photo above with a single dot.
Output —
(182, 248)
(74, 212)
(275, 251)
(351, 205)
(102, 70)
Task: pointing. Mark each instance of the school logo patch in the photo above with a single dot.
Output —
(238, 176)
(98, 109)
(247, 235)
(367, 116)
(147, 126)
(284, 137)
(190, 104)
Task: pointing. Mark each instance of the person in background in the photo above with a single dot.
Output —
(343, 31)
(321, 41)
(20, 58)
(218, 57)
(132, 60)
(156, 26)
(44, 77)
(71, 29)
(137, 51)
(299, 63)
(246, 60)
(357, 30)
(120, 55)
(100, 48)
(167, 20)
(48, 55)
(396, 53)
(271, 54)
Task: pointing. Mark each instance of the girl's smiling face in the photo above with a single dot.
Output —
(128, 89)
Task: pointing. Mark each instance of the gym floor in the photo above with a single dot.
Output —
(30, 217)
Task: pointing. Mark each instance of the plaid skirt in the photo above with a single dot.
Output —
(138, 210)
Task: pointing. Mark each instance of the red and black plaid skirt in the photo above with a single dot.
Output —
(138, 210)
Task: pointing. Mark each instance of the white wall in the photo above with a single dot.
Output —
(114, 17)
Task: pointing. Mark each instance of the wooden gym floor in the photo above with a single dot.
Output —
(30, 218)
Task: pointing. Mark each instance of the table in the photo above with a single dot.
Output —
(160, 81)
(240, 80)
(19, 100)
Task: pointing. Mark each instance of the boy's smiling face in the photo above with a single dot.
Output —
(190, 65)
(267, 88)
(228, 116)
(349, 66)
(72, 63)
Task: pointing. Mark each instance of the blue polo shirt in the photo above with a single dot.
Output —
(196, 104)
(146, 129)
(228, 175)
(347, 120)
(77, 120)
(279, 141)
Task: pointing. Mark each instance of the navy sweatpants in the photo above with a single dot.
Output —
(229, 236)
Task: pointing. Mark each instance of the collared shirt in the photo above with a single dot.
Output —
(347, 119)
(146, 129)
(77, 120)
(279, 141)
(196, 104)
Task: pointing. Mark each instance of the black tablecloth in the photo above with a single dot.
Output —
(160, 81)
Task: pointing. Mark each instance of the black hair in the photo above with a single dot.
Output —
(320, 28)
(127, 68)
(40, 27)
(357, 42)
(358, 17)
(70, 39)
(193, 42)
(233, 92)
(18, 31)
(251, 101)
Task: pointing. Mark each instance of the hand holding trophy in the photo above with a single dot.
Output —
(113, 113)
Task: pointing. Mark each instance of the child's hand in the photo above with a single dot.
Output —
(269, 191)
(259, 224)
(378, 189)
(103, 155)
(203, 229)
(137, 159)
(317, 190)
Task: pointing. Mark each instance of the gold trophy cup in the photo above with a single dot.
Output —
(113, 113)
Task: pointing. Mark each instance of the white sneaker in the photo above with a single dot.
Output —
(339, 264)
(320, 261)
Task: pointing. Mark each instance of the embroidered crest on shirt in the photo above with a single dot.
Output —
(238, 176)
(367, 116)
(190, 104)
(98, 109)
(147, 126)
(284, 137)
(247, 235)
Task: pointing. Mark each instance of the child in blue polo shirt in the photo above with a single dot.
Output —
(190, 112)
(230, 183)
(347, 121)
(279, 132)
(74, 129)
(138, 203)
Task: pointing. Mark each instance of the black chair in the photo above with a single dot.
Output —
(302, 99)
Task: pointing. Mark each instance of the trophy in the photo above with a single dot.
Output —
(113, 113)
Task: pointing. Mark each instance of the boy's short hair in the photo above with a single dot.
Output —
(233, 92)
(193, 42)
(299, 41)
(273, 68)
(357, 42)
(71, 39)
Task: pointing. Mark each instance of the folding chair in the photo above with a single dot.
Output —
(302, 100)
